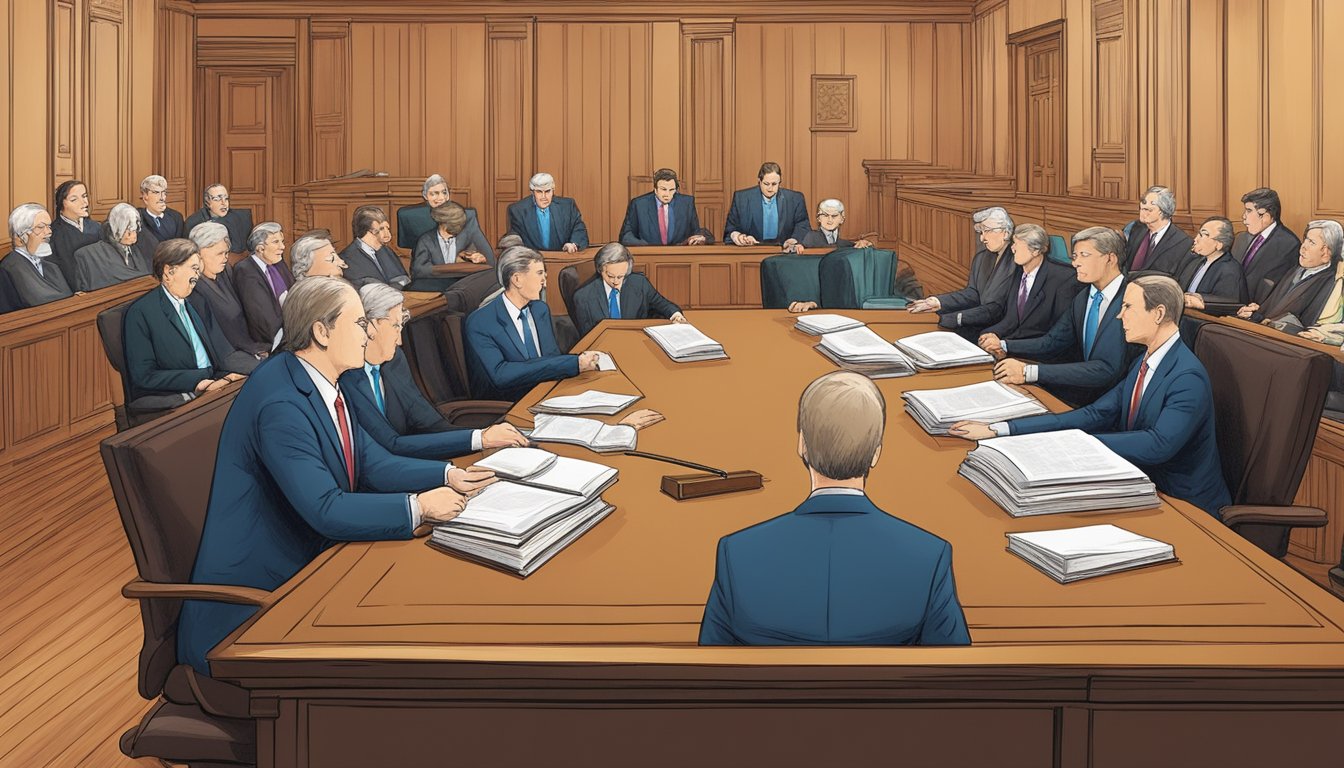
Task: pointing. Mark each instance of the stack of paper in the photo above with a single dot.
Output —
(590, 402)
(936, 410)
(942, 349)
(684, 343)
(862, 351)
(589, 433)
(816, 325)
(1080, 553)
(1052, 472)
(519, 523)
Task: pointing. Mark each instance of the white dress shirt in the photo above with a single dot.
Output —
(448, 247)
(1109, 293)
(517, 315)
(1157, 237)
(837, 492)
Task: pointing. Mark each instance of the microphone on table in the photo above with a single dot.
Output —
(711, 483)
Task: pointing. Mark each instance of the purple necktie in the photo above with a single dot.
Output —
(1142, 256)
(1250, 252)
(1022, 297)
(277, 280)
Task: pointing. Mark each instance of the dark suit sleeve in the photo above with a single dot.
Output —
(944, 621)
(474, 239)
(967, 297)
(507, 374)
(421, 415)
(800, 226)
(422, 258)
(578, 231)
(628, 236)
(142, 365)
(584, 319)
(1061, 338)
(1087, 373)
(1101, 416)
(427, 446)
(230, 359)
(256, 297)
(716, 628)
(694, 217)
(733, 222)
(659, 306)
(1227, 287)
(403, 232)
(1176, 423)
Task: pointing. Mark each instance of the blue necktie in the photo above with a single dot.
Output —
(202, 359)
(769, 220)
(544, 222)
(378, 388)
(614, 305)
(1090, 324)
(529, 347)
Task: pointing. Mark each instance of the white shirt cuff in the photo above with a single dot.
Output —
(1000, 428)
(1031, 373)
(476, 439)
(1003, 345)
(413, 502)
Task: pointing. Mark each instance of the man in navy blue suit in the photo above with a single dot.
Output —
(663, 216)
(618, 292)
(510, 342)
(837, 570)
(1086, 346)
(1160, 417)
(295, 473)
(546, 222)
(767, 213)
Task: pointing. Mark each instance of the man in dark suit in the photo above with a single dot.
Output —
(450, 242)
(159, 221)
(830, 217)
(10, 301)
(119, 256)
(1267, 250)
(1088, 338)
(216, 293)
(510, 342)
(1302, 292)
(982, 302)
(170, 347)
(837, 570)
(72, 228)
(367, 259)
(295, 473)
(766, 213)
(618, 292)
(413, 221)
(216, 208)
(36, 278)
(546, 222)
(663, 216)
(1160, 417)
(1040, 292)
(1155, 244)
(1213, 281)
(263, 279)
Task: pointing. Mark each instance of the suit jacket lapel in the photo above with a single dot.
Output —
(174, 319)
(1112, 311)
(506, 322)
(1294, 293)
(1156, 381)
(334, 454)
(1037, 292)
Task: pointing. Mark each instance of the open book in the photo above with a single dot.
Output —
(942, 349)
(537, 468)
(590, 402)
(936, 410)
(1095, 550)
(816, 325)
(589, 433)
(685, 343)
(863, 351)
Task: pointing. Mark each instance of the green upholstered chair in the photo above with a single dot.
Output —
(1059, 250)
(859, 278)
(788, 277)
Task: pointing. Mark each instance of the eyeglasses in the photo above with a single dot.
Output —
(983, 230)
(218, 198)
(41, 228)
(363, 323)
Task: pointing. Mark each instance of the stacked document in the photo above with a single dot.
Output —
(684, 343)
(1053, 472)
(942, 349)
(816, 325)
(590, 402)
(1080, 553)
(589, 433)
(519, 523)
(863, 351)
(937, 410)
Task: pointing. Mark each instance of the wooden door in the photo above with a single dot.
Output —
(240, 113)
(1045, 117)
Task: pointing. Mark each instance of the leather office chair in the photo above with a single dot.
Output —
(162, 500)
(439, 369)
(142, 409)
(1059, 251)
(859, 278)
(790, 277)
(1267, 402)
(570, 279)
(467, 294)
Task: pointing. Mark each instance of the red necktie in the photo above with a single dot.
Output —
(1138, 392)
(662, 222)
(346, 445)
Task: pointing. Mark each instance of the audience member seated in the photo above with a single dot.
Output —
(413, 221)
(830, 216)
(1214, 282)
(120, 256)
(982, 302)
(36, 278)
(1160, 418)
(216, 208)
(510, 341)
(10, 301)
(294, 473)
(263, 279)
(388, 405)
(159, 222)
(216, 293)
(767, 212)
(618, 292)
(1329, 328)
(546, 222)
(170, 347)
(448, 243)
(837, 570)
(1297, 300)
(663, 216)
(72, 228)
(313, 255)
(1041, 291)
(367, 259)
(1088, 338)
(1267, 250)
(1157, 245)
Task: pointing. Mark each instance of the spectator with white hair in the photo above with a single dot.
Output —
(985, 298)
(546, 222)
(313, 255)
(1300, 295)
(263, 281)
(1155, 244)
(120, 256)
(216, 292)
(830, 217)
(36, 278)
(159, 221)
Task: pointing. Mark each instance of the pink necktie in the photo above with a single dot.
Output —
(662, 222)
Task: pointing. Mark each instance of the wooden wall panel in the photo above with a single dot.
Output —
(1327, 74)
(329, 86)
(454, 98)
(30, 138)
(174, 132)
(1208, 101)
(32, 409)
(1290, 106)
(108, 150)
(992, 150)
(709, 106)
(509, 136)
(1247, 100)
(1026, 14)
(65, 101)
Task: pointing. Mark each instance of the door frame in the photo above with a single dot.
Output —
(1018, 43)
(280, 148)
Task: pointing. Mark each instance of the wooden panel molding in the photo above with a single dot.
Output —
(708, 110)
(510, 148)
(833, 103)
(251, 51)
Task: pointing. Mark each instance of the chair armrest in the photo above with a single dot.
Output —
(220, 593)
(1292, 516)
(473, 411)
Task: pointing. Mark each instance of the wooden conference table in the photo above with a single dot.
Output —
(392, 653)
